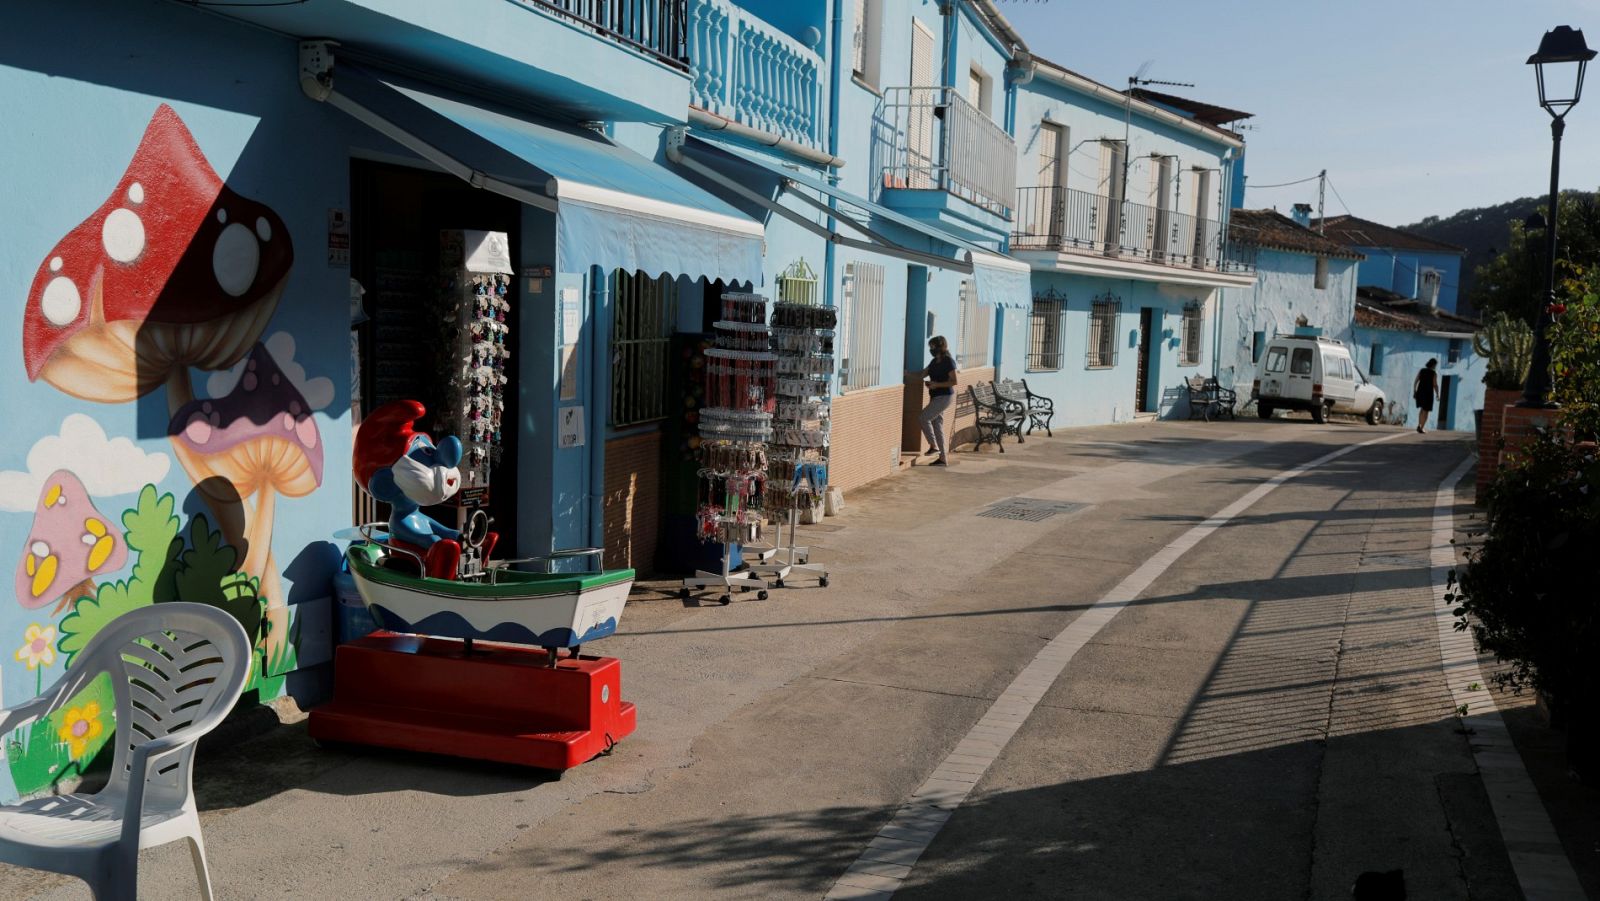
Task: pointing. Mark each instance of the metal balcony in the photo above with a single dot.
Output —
(657, 28)
(746, 70)
(1071, 221)
(932, 138)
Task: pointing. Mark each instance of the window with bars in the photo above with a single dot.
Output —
(1189, 347)
(1044, 334)
(1102, 353)
(860, 339)
(977, 323)
(644, 312)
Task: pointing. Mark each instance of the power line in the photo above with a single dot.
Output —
(1340, 199)
(1286, 184)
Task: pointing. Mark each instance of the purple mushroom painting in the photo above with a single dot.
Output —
(259, 441)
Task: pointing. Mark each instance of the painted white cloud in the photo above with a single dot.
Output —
(106, 466)
(318, 391)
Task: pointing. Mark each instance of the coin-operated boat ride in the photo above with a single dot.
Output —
(475, 656)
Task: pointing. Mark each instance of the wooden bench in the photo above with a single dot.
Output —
(1039, 409)
(997, 417)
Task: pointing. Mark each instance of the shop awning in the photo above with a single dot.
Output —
(1001, 280)
(614, 208)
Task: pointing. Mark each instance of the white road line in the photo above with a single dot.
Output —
(887, 861)
(1540, 862)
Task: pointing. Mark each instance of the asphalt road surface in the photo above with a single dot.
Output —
(1266, 718)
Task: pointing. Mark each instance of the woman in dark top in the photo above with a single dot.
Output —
(1423, 391)
(941, 377)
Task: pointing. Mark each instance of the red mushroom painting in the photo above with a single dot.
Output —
(69, 544)
(262, 440)
(174, 270)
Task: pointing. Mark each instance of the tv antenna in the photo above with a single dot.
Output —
(1137, 80)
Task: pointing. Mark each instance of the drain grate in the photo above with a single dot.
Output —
(1028, 509)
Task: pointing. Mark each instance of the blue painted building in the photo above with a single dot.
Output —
(1396, 336)
(1122, 214)
(1399, 261)
(1302, 280)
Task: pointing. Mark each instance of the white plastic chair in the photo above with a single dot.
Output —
(177, 670)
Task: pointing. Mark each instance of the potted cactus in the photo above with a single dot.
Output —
(1507, 344)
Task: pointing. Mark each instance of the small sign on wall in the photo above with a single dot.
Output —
(571, 315)
(571, 431)
(338, 237)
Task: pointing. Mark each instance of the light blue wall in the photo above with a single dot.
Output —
(1285, 289)
(1406, 353)
(1094, 396)
(1089, 119)
(1399, 271)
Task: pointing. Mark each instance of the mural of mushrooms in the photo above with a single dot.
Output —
(69, 543)
(262, 440)
(174, 270)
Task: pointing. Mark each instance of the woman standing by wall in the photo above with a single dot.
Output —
(941, 375)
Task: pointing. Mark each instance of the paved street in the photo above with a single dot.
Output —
(1267, 718)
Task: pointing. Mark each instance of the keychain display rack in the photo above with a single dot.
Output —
(735, 428)
(797, 463)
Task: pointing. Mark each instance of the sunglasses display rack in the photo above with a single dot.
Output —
(736, 427)
(797, 463)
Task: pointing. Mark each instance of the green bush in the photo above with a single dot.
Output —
(1575, 367)
(1531, 592)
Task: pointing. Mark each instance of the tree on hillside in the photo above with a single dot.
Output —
(1513, 281)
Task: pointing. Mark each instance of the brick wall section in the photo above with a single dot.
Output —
(1519, 426)
(1495, 401)
(960, 425)
(865, 434)
(633, 500)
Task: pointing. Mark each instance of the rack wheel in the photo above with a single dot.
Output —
(777, 584)
(762, 595)
(823, 581)
(726, 599)
(683, 593)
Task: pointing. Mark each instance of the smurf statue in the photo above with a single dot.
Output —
(406, 470)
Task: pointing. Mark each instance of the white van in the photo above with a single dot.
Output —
(1301, 372)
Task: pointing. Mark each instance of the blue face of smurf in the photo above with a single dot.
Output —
(427, 474)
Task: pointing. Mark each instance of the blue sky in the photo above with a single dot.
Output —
(1415, 107)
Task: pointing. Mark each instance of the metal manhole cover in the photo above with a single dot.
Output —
(1028, 509)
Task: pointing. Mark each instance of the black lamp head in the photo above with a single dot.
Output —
(1561, 47)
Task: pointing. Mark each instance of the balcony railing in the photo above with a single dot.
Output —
(656, 28)
(1069, 220)
(936, 140)
(748, 71)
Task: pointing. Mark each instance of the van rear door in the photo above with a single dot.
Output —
(1298, 386)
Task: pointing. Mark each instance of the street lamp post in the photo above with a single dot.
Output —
(1562, 55)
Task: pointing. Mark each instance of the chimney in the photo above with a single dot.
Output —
(1302, 215)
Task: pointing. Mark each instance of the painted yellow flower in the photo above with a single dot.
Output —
(38, 646)
(82, 726)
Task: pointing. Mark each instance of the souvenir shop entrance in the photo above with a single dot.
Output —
(396, 219)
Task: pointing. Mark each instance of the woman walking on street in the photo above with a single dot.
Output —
(1423, 391)
(941, 376)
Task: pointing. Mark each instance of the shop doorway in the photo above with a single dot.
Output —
(1446, 390)
(1147, 339)
(396, 215)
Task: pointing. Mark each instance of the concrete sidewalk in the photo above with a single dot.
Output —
(776, 737)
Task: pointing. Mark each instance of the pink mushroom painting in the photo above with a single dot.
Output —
(173, 270)
(261, 439)
(69, 544)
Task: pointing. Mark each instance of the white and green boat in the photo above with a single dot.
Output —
(544, 609)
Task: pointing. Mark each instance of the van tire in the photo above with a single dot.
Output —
(1263, 410)
(1375, 415)
(1319, 414)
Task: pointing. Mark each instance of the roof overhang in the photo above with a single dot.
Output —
(1073, 81)
(1112, 267)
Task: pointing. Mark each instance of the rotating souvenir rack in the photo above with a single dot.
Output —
(797, 464)
(735, 427)
(476, 300)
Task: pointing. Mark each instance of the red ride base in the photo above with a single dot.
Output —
(503, 703)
